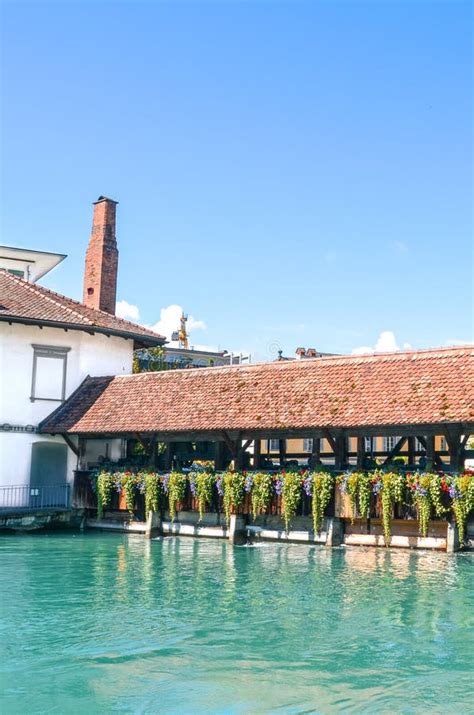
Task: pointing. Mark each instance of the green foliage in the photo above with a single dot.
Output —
(392, 491)
(205, 482)
(434, 489)
(233, 484)
(364, 494)
(463, 502)
(290, 496)
(323, 485)
(262, 492)
(105, 489)
(352, 490)
(129, 487)
(422, 500)
(152, 491)
(176, 491)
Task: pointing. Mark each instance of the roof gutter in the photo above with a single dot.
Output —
(139, 339)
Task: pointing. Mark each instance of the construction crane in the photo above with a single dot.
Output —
(182, 335)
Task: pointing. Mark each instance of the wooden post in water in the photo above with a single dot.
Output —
(237, 534)
(153, 525)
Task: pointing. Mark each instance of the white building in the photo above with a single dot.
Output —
(48, 345)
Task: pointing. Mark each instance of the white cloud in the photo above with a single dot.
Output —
(386, 343)
(454, 342)
(169, 321)
(127, 310)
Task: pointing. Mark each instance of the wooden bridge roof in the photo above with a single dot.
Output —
(360, 394)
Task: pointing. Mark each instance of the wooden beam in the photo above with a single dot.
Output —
(169, 454)
(400, 430)
(340, 452)
(396, 450)
(232, 446)
(360, 452)
(257, 449)
(71, 444)
(330, 439)
(315, 457)
(152, 451)
(282, 452)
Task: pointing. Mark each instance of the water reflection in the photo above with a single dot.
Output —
(120, 623)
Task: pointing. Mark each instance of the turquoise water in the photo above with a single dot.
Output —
(104, 623)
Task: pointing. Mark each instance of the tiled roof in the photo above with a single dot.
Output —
(406, 388)
(25, 302)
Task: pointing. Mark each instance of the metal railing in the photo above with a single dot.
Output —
(26, 497)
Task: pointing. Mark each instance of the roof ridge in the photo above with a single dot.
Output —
(424, 352)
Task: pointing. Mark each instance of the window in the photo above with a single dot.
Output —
(443, 445)
(273, 445)
(14, 272)
(418, 446)
(389, 443)
(370, 445)
(307, 445)
(49, 373)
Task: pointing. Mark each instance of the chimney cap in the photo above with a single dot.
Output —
(105, 198)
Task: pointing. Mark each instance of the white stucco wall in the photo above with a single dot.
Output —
(93, 355)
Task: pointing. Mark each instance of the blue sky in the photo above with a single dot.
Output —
(291, 173)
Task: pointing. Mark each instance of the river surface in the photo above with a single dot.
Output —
(108, 623)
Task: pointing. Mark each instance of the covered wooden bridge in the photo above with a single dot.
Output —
(411, 395)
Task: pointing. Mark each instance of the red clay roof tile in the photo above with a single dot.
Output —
(29, 302)
(406, 388)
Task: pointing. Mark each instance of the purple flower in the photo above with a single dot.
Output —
(454, 493)
(220, 489)
(377, 487)
(308, 485)
(192, 485)
(248, 482)
(422, 492)
(278, 487)
(165, 482)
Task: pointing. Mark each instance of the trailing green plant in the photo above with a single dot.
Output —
(461, 492)
(205, 482)
(422, 499)
(349, 484)
(105, 488)
(364, 494)
(290, 496)
(176, 485)
(129, 486)
(322, 489)
(151, 481)
(391, 492)
(262, 492)
(233, 485)
(435, 490)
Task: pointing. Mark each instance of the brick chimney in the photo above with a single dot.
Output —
(100, 275)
